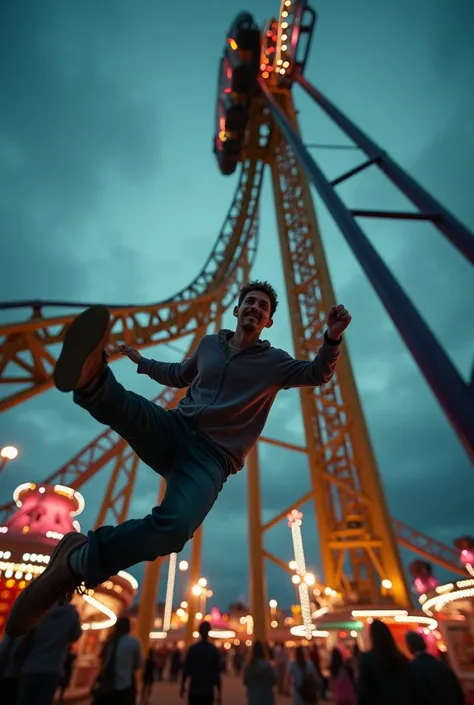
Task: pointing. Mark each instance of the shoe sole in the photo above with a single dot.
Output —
(16, 625)
(84, 335)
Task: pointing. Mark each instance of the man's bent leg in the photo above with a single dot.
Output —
(192, 488)
(147, 427)
(81, 368)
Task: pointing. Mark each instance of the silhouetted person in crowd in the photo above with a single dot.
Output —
(353, 661)
(160, 663)
(436, 682)
(342, 680)
(11, 662)
(315, 658)
(282, 661)
(304, 680)
(120, 660)
(259, 677)
(384, 674)
(34, 663)
(224, 659)
(232, 380)
(238, 662)
(176, 663)
(148, 676)
(66, 674)
(203, 669)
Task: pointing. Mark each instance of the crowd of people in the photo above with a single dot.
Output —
(37, 668)
(382, 675)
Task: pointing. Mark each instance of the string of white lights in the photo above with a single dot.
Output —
(106, 623)
(295, 520)
(170, 592)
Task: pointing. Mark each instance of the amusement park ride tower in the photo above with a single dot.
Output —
(257, 128)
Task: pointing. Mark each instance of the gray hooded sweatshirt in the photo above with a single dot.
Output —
(231, 391)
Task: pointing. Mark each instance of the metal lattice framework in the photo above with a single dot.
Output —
(339, 478)
(357, 536)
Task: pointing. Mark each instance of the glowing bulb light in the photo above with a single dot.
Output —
(300, 631)
(295, 520)
(249, 624)
(9, 452)
(129, 578)
(170, 592)
(221, 634)
(461, 590)
(106, 623)
(429, 622)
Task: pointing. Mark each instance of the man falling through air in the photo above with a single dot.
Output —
(232, 380)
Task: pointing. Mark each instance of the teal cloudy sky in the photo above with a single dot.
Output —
(108, 178)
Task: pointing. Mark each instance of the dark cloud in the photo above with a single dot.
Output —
(66, 127)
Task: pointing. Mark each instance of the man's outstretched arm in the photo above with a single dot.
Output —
(305, 373)
(169, 374)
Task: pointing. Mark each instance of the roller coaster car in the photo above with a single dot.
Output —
(229, 138)
(237, 81)
(243, 53)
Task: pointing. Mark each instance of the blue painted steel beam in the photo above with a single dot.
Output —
(454, 395)
(457, 234)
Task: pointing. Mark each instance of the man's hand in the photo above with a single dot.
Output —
(131, 353)
(181, 693)
(338, 320)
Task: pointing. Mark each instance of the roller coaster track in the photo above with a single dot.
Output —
(28, 347)
(428, 548)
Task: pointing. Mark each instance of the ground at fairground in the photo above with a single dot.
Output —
(233, 694)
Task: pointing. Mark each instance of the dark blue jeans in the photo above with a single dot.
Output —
(193, 467)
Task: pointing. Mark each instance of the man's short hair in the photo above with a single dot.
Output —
(264, 287)
(415, 641)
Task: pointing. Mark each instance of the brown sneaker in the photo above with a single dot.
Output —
(54, 584)
(82, 357)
